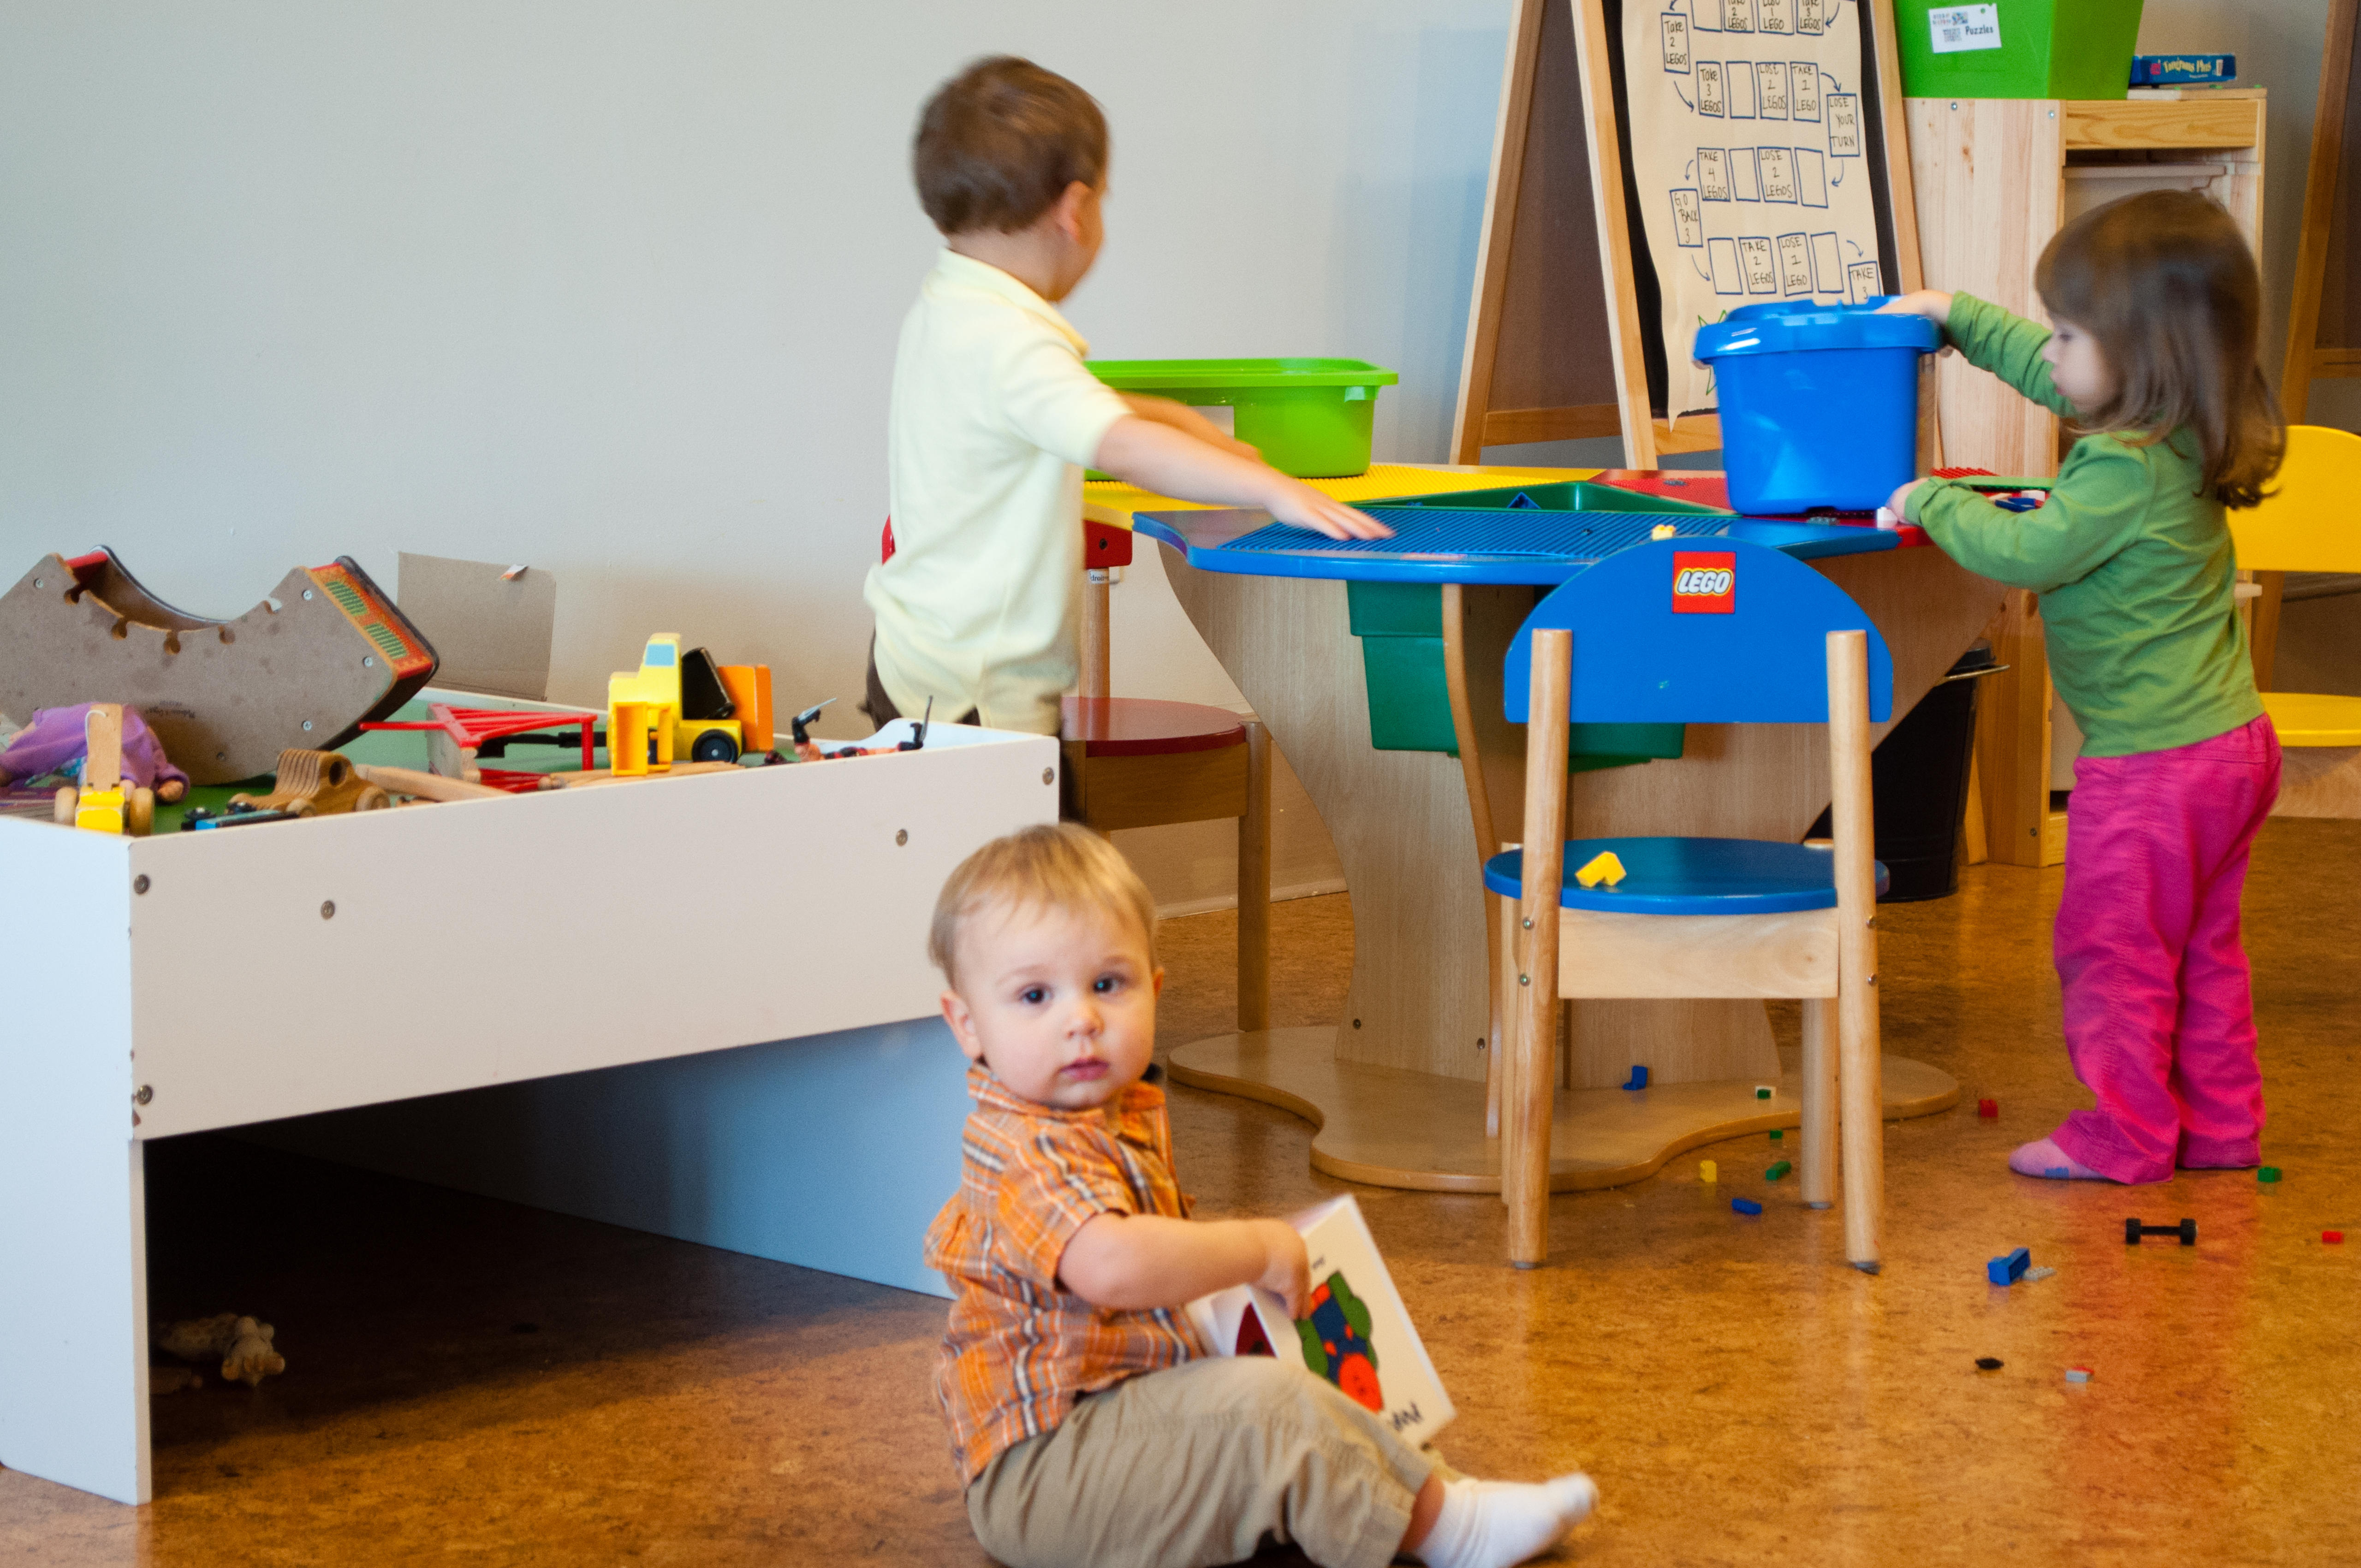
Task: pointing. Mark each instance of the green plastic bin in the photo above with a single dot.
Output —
(2049, 48)
(1309, 418)
(1400, 628)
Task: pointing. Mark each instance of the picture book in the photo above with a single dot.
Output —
(1354, 1332)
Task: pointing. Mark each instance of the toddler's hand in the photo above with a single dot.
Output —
(1301, 505)
(1900, 500)
(1932, 304)
(1287, 1267)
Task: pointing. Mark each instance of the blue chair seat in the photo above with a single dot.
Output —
(1690, 876)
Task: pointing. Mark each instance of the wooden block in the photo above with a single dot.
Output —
(427, 786)
(102, 732)
(1669, 956)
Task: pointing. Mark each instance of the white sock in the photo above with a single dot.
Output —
(1492, 1524)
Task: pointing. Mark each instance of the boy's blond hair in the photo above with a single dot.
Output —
(1045, 870)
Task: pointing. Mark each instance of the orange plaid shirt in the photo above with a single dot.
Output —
(1021, 1347)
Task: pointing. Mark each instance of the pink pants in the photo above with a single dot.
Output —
(2159, 1017)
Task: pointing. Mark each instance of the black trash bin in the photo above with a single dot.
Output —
(1918, 784)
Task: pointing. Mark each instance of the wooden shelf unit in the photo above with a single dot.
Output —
(1994, 179)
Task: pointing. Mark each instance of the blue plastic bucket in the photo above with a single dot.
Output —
(1819, 403)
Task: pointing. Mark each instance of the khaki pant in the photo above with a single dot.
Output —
(1198, 1466)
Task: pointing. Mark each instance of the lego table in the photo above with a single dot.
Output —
(699, 1007)
(1398, 1086)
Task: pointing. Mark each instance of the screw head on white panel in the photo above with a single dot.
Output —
(901, 836)
(139, 883)
(1048, 775)
(146, 1092)
(307, 592)
(327, 909)
(307, 727)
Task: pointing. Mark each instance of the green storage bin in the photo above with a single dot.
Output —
(1400, 628)
(2049, 48)
(1309, 418)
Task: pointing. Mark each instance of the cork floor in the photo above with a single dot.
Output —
(472, 1381)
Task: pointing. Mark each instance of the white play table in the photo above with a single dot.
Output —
(700, 1006)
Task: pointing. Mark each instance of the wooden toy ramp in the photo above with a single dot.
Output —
(327, 651)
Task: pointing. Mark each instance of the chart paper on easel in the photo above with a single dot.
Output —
(1749, 156)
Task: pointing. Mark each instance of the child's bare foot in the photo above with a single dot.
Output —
(2042, 1158)
(1493, 1524)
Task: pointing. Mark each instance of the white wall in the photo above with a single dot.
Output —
(611, 288)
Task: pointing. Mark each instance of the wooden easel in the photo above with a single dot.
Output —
(2323, 329)
(1555, 268)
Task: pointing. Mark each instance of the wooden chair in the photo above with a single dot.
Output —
(1139, 762)
(2307, 524)
(1665, 632)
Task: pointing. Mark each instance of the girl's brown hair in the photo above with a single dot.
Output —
(2165, 283)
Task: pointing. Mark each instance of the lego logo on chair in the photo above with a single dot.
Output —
(1704, 582)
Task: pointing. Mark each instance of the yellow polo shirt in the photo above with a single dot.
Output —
(994, 419)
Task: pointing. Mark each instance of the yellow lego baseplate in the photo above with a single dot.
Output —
(1112, 503)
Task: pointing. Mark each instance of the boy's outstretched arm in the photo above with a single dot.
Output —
(1189, 421)
(1132, 1262)
(1157, 456)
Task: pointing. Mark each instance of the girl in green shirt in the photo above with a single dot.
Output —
(2157, 305)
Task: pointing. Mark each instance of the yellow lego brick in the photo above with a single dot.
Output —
(1708, 1171)
(100, 810)
(1603, 867)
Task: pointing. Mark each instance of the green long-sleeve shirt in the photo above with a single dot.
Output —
(2134, 565)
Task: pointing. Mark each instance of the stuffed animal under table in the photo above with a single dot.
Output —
(243, 1345)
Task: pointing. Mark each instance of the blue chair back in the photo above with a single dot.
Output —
(1674, 633)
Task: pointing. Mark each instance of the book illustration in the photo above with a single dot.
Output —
(1354, 1326)
(1336, 1335)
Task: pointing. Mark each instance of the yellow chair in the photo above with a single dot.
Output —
(2312, 522)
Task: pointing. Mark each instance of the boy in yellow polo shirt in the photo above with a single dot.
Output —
(994, 416)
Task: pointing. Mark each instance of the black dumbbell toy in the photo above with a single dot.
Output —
(2186, 1231)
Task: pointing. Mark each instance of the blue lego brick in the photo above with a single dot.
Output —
(2006, 1270)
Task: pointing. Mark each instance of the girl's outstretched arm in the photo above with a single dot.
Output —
(2093, 511)
(1990, 339)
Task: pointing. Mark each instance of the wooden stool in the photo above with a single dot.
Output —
(1139, 762)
